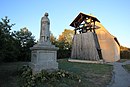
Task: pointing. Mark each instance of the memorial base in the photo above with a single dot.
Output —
(44, 58)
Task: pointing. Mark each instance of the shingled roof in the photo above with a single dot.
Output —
(79, 19)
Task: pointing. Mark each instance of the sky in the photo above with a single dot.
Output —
(113, 14)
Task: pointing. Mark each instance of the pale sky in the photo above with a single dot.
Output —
(113, 14)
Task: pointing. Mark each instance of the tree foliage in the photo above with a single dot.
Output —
(64, 43)
(14, 46)
(26, 40)
(8, 45)
(53, 39)
(125, 52)
(65, 39)
(66, 36)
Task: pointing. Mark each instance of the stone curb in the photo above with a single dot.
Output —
(112, 79)
(85, 61)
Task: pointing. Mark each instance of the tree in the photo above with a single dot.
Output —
(65, 39)
(64, 43)
(14, 46)
(8, 45)
(124, 52)
(26, 40)
(53, 39)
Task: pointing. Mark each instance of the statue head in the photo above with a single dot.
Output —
(46, 14)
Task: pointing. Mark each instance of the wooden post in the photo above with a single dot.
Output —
(94, 27)
(74, 31)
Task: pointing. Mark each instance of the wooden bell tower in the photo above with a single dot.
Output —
(85, 42)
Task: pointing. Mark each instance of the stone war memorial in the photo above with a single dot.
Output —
(44, 54)
(92, 41)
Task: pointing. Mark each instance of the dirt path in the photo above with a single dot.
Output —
(121, 76)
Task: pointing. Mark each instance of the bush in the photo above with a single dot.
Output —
(125, 54)
(63, 54)
(44, 78)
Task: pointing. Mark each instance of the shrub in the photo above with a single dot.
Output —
(44, 78)
(63, 54)
(125, 54)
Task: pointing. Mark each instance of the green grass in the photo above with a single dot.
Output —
(127, 67)
(8, 74)
(92, 75)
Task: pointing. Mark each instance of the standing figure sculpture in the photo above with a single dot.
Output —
(45, 31)
(44, 54)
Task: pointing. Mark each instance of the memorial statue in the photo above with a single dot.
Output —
(45, 31)
(44, 54)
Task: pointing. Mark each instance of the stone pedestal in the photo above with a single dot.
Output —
(44, 57)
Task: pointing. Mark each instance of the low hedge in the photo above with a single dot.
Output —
(125, 54)
(63, 54)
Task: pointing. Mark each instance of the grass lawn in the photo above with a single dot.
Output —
(92, 75)
(8, 75)
(127, 67)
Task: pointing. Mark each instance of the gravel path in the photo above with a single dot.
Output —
(121, 77)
